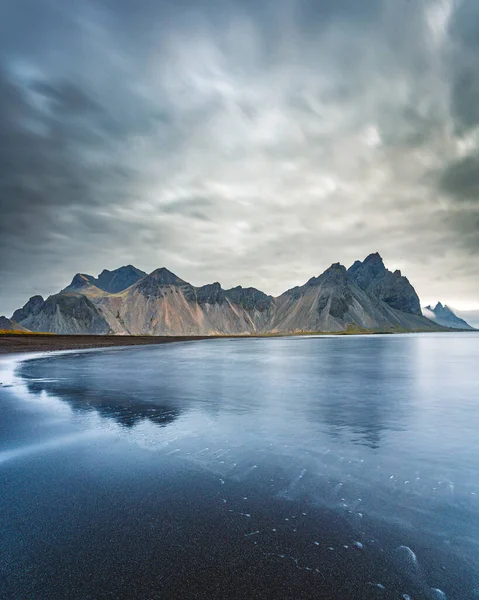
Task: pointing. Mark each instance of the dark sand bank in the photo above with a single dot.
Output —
(48, 342)
(10, 343)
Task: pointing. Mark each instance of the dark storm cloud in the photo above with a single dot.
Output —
(464, 30)
(65, 97)
(460, 179)
(234, 140)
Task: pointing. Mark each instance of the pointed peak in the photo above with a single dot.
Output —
(123, 269)
(119, 279)
(374, 258)
(336, 267)
(164, 276)
(211, 293)
(335, 272)
(79, 281)
(373, 263)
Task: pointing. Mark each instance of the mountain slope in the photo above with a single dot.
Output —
(470, 316)
(443, 315)
(9, 325)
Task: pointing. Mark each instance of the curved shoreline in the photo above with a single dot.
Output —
(33, 343)
(19, 343)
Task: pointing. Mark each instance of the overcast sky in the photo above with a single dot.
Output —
(247, 142)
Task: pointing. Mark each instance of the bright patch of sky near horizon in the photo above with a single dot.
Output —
(241, 142)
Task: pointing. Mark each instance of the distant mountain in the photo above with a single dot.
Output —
(9, 325)
(445, 316)
(128, 301)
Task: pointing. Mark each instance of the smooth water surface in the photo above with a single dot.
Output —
(315, 467)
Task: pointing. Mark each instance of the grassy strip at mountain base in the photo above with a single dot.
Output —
(21, 332)
(21, 341)
(355, 330)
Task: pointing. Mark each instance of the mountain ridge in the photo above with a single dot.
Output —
(367, 295)
(111, 282)
(444, 315)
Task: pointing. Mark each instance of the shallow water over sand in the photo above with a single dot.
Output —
(330, 467)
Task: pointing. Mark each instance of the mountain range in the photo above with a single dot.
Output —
(130, 301)
(444, 315)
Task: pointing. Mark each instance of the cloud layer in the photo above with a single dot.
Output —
(244, 142)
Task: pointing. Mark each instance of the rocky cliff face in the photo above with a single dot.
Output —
(250, 299)
(333, 301)
(31, 308)
(161, 303)
(392, 288)
(443, 315)
(67, 312)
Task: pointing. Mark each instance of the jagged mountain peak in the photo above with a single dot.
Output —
(124, 268)
(335, 273)
(211, 293)
(164, 276)
(372, 267)
(119, 279)
(249, 298)
(151, 285)
(445, 316)
(374, 257)
(111, 282)
(80, 281)
(373, 277)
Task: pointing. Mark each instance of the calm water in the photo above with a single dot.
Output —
(341, 467)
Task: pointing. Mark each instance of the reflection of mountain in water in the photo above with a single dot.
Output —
(111, 392)
(354, 389)
(365, 395)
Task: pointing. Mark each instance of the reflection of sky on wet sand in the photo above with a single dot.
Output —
(380, 430)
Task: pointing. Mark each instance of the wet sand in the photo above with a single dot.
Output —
(334, 468)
